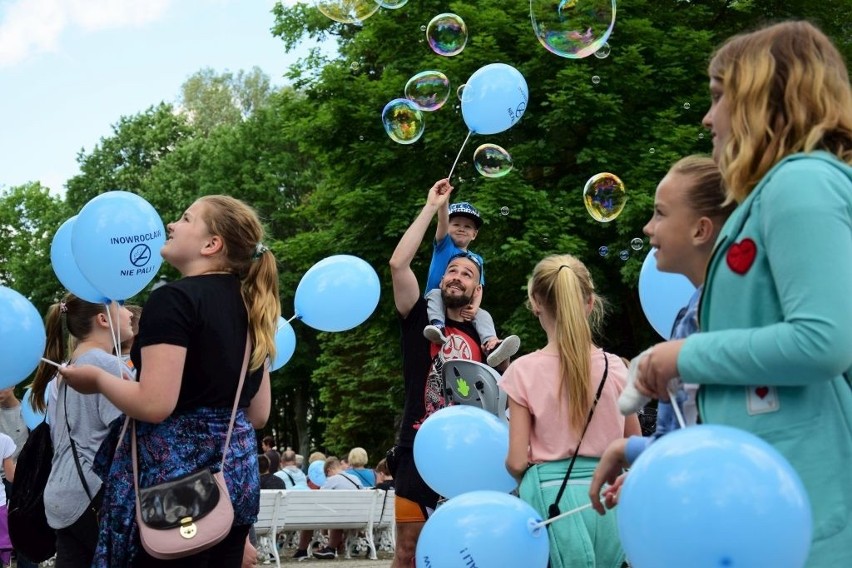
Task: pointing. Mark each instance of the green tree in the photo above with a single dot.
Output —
(213, 99)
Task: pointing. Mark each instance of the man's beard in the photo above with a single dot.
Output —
(455, 302)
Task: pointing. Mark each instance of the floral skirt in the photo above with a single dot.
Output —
(179, 445)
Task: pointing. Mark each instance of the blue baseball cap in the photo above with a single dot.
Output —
(465, 209)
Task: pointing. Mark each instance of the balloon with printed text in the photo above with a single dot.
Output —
(494, 98)
(116, 241)
(486, 529)
(22, 337)
(337, 293)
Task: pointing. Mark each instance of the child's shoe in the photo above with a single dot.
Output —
(434, 332)
(504, 349)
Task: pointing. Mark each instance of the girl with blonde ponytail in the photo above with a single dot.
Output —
(551, 392)
(188, 355)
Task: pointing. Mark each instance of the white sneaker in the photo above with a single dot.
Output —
(505, 349)
(434, 334)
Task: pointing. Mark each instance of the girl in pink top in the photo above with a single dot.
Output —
(551, 392)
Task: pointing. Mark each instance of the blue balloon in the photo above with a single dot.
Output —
(337, 293)
(22, 337)
(316, 472)
(487, 529)
(285, 344)
(662, 295)
(116, 241)
(65, 267)
(710, 496)
(494, 98)
(31, 417)
(463, 448)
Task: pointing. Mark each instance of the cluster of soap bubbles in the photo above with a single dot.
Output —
(636, 244)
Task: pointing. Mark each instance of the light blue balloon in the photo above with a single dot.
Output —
(337, 293)
(463, 448)
(116, 241)
(662, 295)
(285, 344)
(316, 472)
(65, 267)
(31, 417)
(22, 337)
(486, 529)
(709, 496)
(494, 98)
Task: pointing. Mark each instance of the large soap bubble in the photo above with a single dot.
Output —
(604, 196)
(446, 34)
(492, 161)
(348, 11)
(429, 90)
(572, 28)
(403, 121)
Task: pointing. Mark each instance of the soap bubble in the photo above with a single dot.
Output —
(603, 51)
(604, 196)
(429, 90)
(492, 161)
(504, 211)
(460, 91)
(446, 34)
(686, 106)
(637, 243)
(348, 11)
(624, 254)
(596, 79)
(403, 121)
(651, 150)
(603, 251)
(572, 28)
(393, 4)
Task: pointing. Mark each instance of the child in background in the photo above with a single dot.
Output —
(458, 226)
(689, 211)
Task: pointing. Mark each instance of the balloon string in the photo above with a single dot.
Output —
(676, 408)
(49, 362)
(565, 514)
(459, 154)
(295, 316)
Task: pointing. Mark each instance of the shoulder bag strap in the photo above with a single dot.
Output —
(230, 425)
(553, 510)
(74, 445)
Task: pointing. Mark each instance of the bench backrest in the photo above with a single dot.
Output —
(383, 510)
(270, 503)
(331, 508)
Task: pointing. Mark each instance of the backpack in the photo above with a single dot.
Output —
(28, 528)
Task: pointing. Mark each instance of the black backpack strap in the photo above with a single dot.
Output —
(553, 510)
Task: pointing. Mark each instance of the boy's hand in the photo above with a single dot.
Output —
(468, 312)
(490, 344)
(440, 192)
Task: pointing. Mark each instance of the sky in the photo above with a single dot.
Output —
(70, 69)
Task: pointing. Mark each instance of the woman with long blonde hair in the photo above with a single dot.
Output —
(188, 355)
(775, 348)
(551, 393)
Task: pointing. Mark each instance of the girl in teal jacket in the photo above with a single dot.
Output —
(775, 348)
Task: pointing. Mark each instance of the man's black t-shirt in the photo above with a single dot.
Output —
(206, 315)
(423, 384)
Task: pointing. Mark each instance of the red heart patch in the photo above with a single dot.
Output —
(741, 256)
(761, 391)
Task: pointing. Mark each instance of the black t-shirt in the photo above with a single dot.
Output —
(423, 383)
(206, 315)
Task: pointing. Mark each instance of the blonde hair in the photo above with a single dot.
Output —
(357, 457)
(242, 235)
(706, 194)
(788, 91)
(562, 286)
(71, 314)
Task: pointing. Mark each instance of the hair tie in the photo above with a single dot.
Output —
(561, 266)
(259, 249)
(63, 307)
